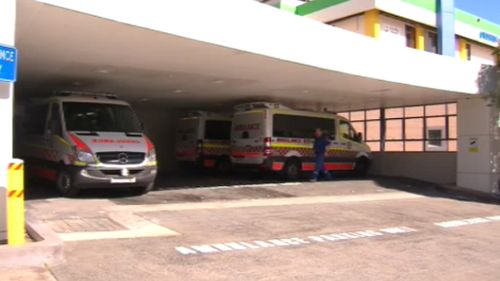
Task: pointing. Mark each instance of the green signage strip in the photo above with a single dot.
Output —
(317, 5)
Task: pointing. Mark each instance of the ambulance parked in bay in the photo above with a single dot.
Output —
(85, 140)
(273, 137)
(203, 141)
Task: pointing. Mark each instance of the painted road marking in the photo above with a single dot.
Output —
(287, 242)
(470, 221)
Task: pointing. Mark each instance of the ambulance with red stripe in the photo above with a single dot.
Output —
(85, 140)
(203, 141)
(273, 137)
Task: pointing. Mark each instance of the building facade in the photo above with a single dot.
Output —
(420, 24)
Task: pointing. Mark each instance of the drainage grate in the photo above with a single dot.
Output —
(84, 225)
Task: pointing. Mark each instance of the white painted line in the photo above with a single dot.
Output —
(290, 183)
(288, 242)
(273, 202)
(494, 218)
(464, 222)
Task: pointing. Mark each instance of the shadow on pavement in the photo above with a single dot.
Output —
(45, 190)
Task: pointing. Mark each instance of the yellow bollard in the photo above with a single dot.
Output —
(15, 203)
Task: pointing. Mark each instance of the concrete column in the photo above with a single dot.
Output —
(7, 32)
(478, 152)
(446, 27)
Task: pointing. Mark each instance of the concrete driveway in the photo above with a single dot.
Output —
(348, 229)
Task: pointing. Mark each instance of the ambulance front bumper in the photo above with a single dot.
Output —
(90, 177)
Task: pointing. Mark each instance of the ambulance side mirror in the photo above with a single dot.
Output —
(359, 137)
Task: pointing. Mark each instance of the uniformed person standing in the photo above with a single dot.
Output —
(321, 143)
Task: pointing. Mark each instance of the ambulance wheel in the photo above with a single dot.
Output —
(223, 165)
(65, 185)
(361, 167)
(292, 169)
(143, 189)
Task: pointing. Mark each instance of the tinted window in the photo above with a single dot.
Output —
(100, 117)
(36, 120)
(290, 126)
(55, 120)
(217, 129)
(346, 131)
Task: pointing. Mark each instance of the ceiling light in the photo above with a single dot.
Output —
(218, 81)
(103, 71)
(178, 91)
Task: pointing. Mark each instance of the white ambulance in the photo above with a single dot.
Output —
(85, 140)
(203, 141)
(273, 137)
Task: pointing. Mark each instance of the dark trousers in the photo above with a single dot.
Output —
(320, 168)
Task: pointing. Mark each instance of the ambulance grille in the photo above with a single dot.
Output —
(122, 158)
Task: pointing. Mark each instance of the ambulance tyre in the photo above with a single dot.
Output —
(291, 170)
(223, 165)
(361, 167)
(65, 185)
(143, 189)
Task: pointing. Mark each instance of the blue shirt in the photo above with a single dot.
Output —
(320, 145)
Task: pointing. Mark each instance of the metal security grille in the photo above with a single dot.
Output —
(121, 158)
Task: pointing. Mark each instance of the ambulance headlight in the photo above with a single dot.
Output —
(86, 157)
(152, 156)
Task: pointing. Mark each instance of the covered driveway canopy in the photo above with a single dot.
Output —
(212, 54)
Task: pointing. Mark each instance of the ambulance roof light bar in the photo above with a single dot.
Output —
(259, 105)
(95, 95)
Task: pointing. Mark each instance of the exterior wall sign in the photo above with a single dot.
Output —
(473, 145)
(488, 37)
(390, 28)
(8, 64)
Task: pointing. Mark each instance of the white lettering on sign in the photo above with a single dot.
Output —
(6, 55)
(287, 242)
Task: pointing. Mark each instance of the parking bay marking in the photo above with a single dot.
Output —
(286, 242)
(470, 221)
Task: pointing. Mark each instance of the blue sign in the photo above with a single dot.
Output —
(488, 37)
(8, 64)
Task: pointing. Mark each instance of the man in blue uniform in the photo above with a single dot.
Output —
(321, 143)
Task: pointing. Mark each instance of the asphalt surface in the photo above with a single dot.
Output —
(348, 229)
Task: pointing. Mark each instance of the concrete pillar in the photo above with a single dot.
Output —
(446, 27)
(478, 146)
(7, 32)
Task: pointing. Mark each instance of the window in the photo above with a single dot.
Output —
(410, 36)
(36, 122)
(431, 42)
(411, 128)
(218, 129)
(468, 48)
(347, 131)
(435, 139)
(100, 117)
(293, 126)
(55, 120)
